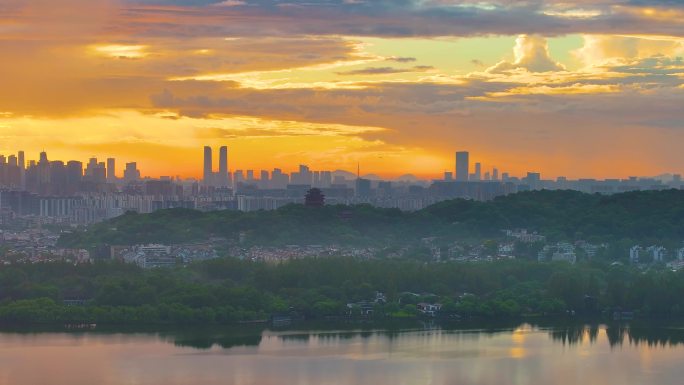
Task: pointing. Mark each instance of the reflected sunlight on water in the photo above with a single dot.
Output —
(522, 355)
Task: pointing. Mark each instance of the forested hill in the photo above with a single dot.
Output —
(641, 216)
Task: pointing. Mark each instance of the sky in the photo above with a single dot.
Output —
(583, 88)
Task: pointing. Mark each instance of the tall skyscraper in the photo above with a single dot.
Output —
(111, 170)
(478, 171)
(223, 166)
(21, 159)
(495, 174)
(462, 166)
(22, 168)
(208, 167)
(74, 176)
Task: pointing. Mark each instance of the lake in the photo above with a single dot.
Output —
(415, 354)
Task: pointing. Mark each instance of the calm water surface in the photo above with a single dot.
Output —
(521, 355)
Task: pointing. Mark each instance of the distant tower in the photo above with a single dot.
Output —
(462, 166)
(208, 166)
(111, 170)
(478, 171)
(223, 166)
(314, 198)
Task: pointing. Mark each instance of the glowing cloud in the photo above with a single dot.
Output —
(532, 54)
(122, 51)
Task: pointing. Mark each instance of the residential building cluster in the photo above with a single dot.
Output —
(36, 245)
(156, 255)
(281, 254)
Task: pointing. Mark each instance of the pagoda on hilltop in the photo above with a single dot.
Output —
(314, 198)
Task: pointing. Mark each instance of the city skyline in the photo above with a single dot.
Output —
(576, 88)
(221, 175)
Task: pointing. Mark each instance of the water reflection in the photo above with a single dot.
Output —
(571, 334)
(618, 334)
(412, 353)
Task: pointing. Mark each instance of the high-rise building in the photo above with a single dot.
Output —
(208, 167)
(478, 171)
(223, 166)
(462, 166)
(21, 160)
(363, 187)
(131, 172)
(264, 179)
(448, 176)
(326, 179)
(495, 174)
(317, 179)
(279, 180)
(238, 177)
(74, 176)
(303, 177)
(58, 178)
(111, 170)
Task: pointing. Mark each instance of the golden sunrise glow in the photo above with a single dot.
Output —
(576, 93)
(122, 51)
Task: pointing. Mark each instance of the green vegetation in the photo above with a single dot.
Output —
(228, 290)
(649, 217)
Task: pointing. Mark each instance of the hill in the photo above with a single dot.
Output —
(640, 216)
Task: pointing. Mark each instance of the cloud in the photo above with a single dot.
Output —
(230, 3)
(46, 78)
(600, 50)
(386, 70)
(412, 18)
(199, 67)
(400, 59)
(531, 54)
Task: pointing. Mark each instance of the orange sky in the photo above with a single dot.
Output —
(581, 89)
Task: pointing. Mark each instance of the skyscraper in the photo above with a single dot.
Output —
(131, 173)
(22, 169)
(478, 171)
(21, 160)
(462, 166)
(74, 176)
(363, 187)
(111, 170)
(208, 167)
(223, 166)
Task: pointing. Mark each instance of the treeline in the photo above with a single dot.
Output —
(649, 217)
(229, 290)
